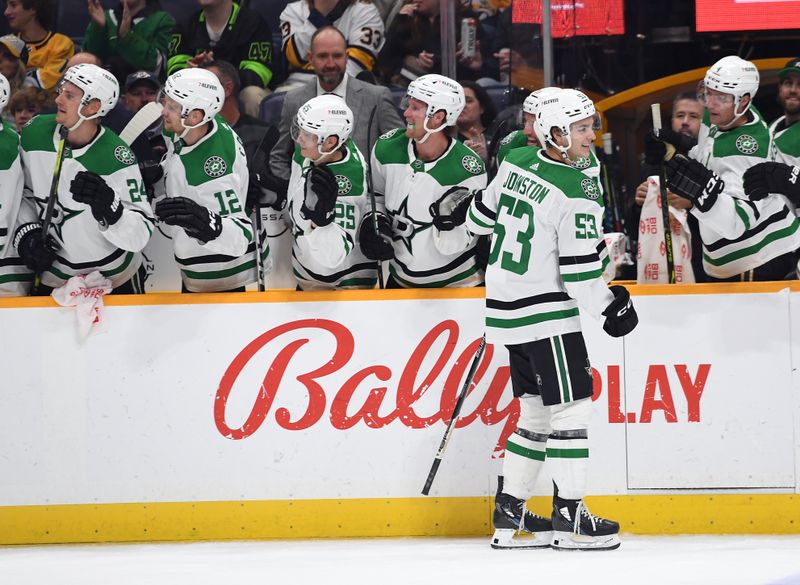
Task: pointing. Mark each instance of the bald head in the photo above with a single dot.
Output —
(84, 57)
(328, 57)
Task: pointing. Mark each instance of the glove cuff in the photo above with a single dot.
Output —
(24, 230)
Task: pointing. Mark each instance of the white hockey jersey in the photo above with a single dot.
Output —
(15, 277)
(424, 256)
(360, 23)
(84, 245)
(548, 253)
(738, 234)
(330, 257)
(213, 172)
(785, 142)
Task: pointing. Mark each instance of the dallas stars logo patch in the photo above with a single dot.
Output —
(508, 138)
(390, 133)
(344, 184)
(582, 162)
(215, 166)
(124, 155)
(590, 189)
(746, 144)
(472, 165)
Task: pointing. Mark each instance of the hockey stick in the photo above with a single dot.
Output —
(662, 183)
(371, 191)
(51, 200)
(140, 122)
(456, 411)
(610, 175)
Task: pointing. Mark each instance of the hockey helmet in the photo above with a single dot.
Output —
(734, 76)
(195, 89)
(324, 116)
(531, 103)
(96, 84)
(5, 91)
(559, 110)
(439, 93)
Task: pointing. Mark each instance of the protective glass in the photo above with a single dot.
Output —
(170, 105)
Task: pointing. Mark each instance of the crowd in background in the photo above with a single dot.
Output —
(386, 44)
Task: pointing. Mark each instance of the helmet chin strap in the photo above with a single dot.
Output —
(429, 131)
(735, 115)
(81, 119)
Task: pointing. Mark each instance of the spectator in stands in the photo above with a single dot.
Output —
(359, 22)
(328, 58)
(141, 88)
(413, 46)
(45, 53)
(26, 103)
(223, 29)
(475, 118)
(10, 64)
(686, 119)
(133, 36)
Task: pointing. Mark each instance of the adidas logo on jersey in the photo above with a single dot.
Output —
(534, 167)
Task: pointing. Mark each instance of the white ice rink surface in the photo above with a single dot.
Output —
(642, 560)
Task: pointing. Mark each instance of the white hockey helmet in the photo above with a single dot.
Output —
(559, 110)
(5, 91)
(734, 76)
(195, 89)
(324, 116)
(531, 103)
(96, 84)
(438, 93)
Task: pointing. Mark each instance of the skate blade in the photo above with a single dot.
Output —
(508, 538)
(571, 541)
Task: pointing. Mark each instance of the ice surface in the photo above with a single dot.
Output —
(651, 560)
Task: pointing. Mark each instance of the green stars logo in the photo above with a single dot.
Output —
(472, 165)
(581, 162)
(124, 155)
(590, 188)
(215, 166)
(344, 184)
(389, 134)
(746, 144)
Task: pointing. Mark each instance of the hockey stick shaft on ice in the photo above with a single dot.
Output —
(437, 460)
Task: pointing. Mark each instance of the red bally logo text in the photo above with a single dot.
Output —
(441, 375)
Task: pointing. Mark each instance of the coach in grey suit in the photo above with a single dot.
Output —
(328, 57)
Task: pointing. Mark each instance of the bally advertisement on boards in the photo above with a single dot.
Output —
(349, 398)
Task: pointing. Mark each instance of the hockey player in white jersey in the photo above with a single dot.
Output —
(15, 277)
(413, 169)
(328, 199)
(742, 239)
(783, 174)
(545, 217)
(101, 219)
(206, 179)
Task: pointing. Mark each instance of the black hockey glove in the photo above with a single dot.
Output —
(152, 171)
(680, 142)
(376, 246)
(655, 150)
(689, 179)
(269, 189)
(319, 202)
(451, 209)
(91, 189)
(621, 317)
(36, 250)
(772, 177)
(197, 221)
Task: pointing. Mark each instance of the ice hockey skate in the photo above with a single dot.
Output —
(575, 528)
(516, 527)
